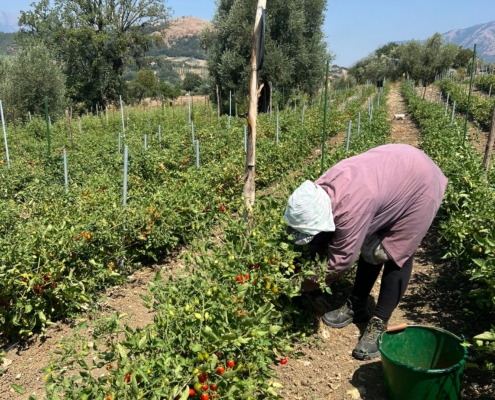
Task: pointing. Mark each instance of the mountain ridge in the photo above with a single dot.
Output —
(8, 22)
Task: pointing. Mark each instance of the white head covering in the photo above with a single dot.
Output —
(309, 211)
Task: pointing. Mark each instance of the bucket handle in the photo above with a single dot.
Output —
(397, 328)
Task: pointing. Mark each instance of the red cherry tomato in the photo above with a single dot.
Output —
(230, 363)
(220, 370)
(191, 392)
(205, 396)
(239, 278)
(127, 378)
(246, 276)
(204, 387)
(283, 361)
(213, 386)
(202, 378)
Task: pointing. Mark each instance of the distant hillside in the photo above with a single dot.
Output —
(182, 38)
(482, 34)
(8, 22)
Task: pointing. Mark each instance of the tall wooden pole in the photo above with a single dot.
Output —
(489, 144)
(249, 186)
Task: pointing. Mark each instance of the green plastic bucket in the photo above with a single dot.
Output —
(422, 362)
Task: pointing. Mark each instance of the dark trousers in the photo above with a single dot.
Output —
(394, 284)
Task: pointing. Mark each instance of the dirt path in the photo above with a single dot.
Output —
(327, 370)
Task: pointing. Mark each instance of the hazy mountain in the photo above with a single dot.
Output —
(482, 34)
(8, 22)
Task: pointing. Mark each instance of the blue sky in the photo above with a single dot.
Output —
(357, 27)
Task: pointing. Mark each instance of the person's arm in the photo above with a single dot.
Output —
(345, 244)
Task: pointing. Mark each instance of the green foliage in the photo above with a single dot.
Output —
(483, 83)
(467, 210)
(94, 41)
(234, 300)
(192, 82)
(464, 58)
(145, 84)
(8, 46)
(168, 91)
(27, 79)
(423, 61)
(480, 109)
(295, 51)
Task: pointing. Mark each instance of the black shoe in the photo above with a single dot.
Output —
(367, 347)
(353, 310)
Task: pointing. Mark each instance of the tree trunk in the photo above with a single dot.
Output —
(249, 186)
(489, 144)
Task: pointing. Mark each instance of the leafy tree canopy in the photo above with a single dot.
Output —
(192, 82)
(94, 39)
(28, 78)
(295, 51)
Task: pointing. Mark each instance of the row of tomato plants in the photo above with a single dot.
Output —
(218, 329)
(480, 109)
(468, 209)
(58, 251)
(484, 82)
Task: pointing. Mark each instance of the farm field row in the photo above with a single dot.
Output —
(60, 250)
(480, 110)
(218, 329)
(468, 208)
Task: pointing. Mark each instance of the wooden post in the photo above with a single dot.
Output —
(489, 144)
(254, 92)
(218, 104)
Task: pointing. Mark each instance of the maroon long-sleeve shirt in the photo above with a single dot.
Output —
(394, 190)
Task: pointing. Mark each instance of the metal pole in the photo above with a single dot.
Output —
(324, 136)
(124, 188)
(302, 118)
(66, 177)
(469, 96)
(192, 132)
(359, 123)
(490, 92)
(348, 136)
(159, 134)
(145, 142)
(453, 114)
(276, 131)
(447, 104)
(122, 115)
(47, 126)
(5, 137)
(197, 154)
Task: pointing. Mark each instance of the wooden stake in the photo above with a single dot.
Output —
(489, 144)
(254, 92)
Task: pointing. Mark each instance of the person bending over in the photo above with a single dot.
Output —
(379, 204)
